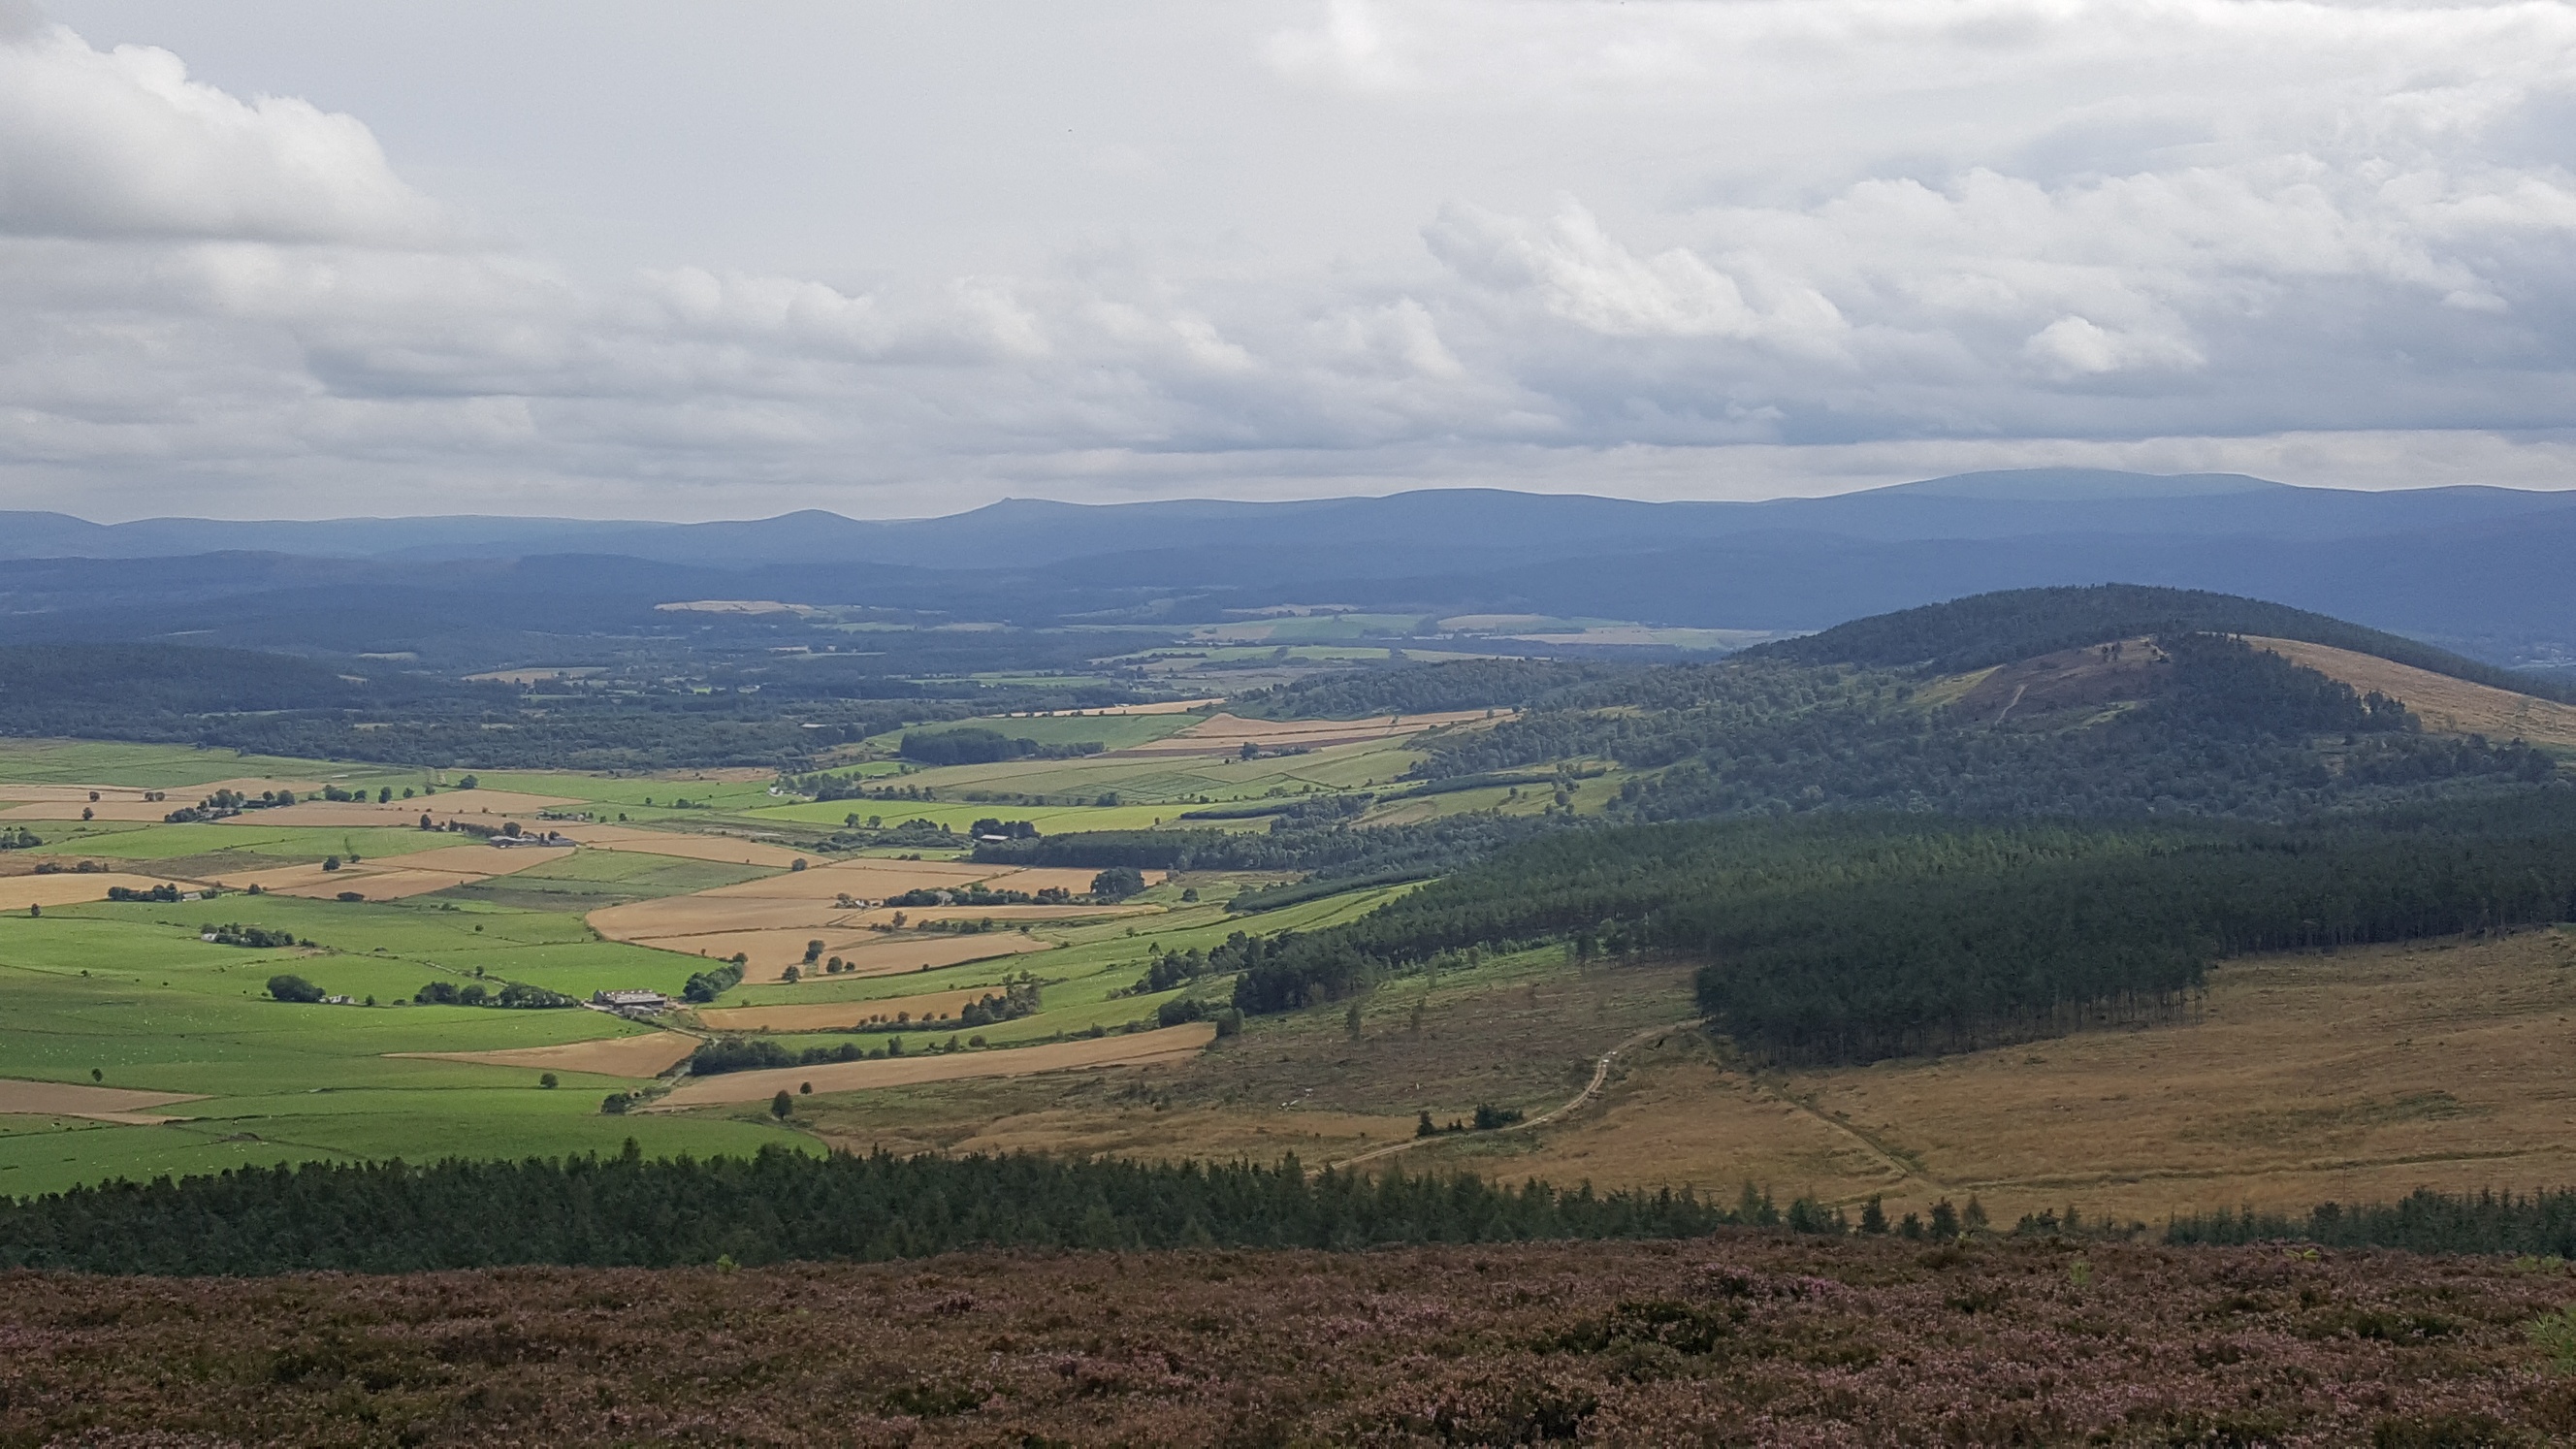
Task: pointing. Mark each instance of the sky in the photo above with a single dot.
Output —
(302, 258)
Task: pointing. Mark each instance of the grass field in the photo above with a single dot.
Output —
(171, 767)
(125, 998)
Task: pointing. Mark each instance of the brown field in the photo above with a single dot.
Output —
(2446, 705)
(1741, 1338)
(806, 901)
(872, 953)
(648, 1054)
(723, 848)
(396, 877)
(1064, 878)
(98, 1104)
(2359, 1075)
(1220, 733)
(866, 880)
(18, 892)
(179, 794)
(840, 1015)
(1030, 914)
(103, 809)
(1171, 1043)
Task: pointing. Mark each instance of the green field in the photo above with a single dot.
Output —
(129, 996)
(156, 767)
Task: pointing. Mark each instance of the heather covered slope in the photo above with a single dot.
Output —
(1744, 1338)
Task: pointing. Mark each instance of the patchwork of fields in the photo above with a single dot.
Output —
(137, 1047)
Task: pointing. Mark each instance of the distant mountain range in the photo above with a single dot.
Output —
(2481, 570)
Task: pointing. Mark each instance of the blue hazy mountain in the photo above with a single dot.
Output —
(2479, 569)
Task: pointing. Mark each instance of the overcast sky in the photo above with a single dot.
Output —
(306, 257)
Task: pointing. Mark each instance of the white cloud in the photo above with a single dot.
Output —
(1716, 229)
(122, 143)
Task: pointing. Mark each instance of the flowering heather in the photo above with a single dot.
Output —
(1742, 1338)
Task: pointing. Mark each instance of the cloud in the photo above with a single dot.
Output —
(1732, 230)
(121, 144)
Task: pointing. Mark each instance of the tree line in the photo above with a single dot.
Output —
(630, 1211)
(2541, 1224)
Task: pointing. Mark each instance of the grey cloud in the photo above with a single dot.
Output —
(196, 285)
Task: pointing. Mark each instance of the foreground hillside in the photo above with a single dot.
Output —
(1741, 1338)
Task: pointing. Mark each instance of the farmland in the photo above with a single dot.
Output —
(134, 1048)
(858, 950)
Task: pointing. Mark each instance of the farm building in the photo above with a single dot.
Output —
(639, 1003)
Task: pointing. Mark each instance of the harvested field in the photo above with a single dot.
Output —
(1167, 1044)
(18, 892)
(389, 878)
(842, 1015)
(647, 1055)
(808, 900)
(1220, 733)
(704, 914)
(98, 1104)
(1038, 878)
(868, 953)
(2446, 705)
(723, 848)
(1030, 914)
(101, 809)
(866, 880)
(179, 794)
(2354, 1076)
(1740, 1338)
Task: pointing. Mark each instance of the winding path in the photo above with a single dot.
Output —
(1591, 1089)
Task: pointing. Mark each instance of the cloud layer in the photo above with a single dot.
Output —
(1714, 248)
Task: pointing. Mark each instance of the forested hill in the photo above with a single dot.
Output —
(1998, 628)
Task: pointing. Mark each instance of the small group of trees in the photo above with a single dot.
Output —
(1487, 1118)
(515, 995)
(705, 986)
(258, 938)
